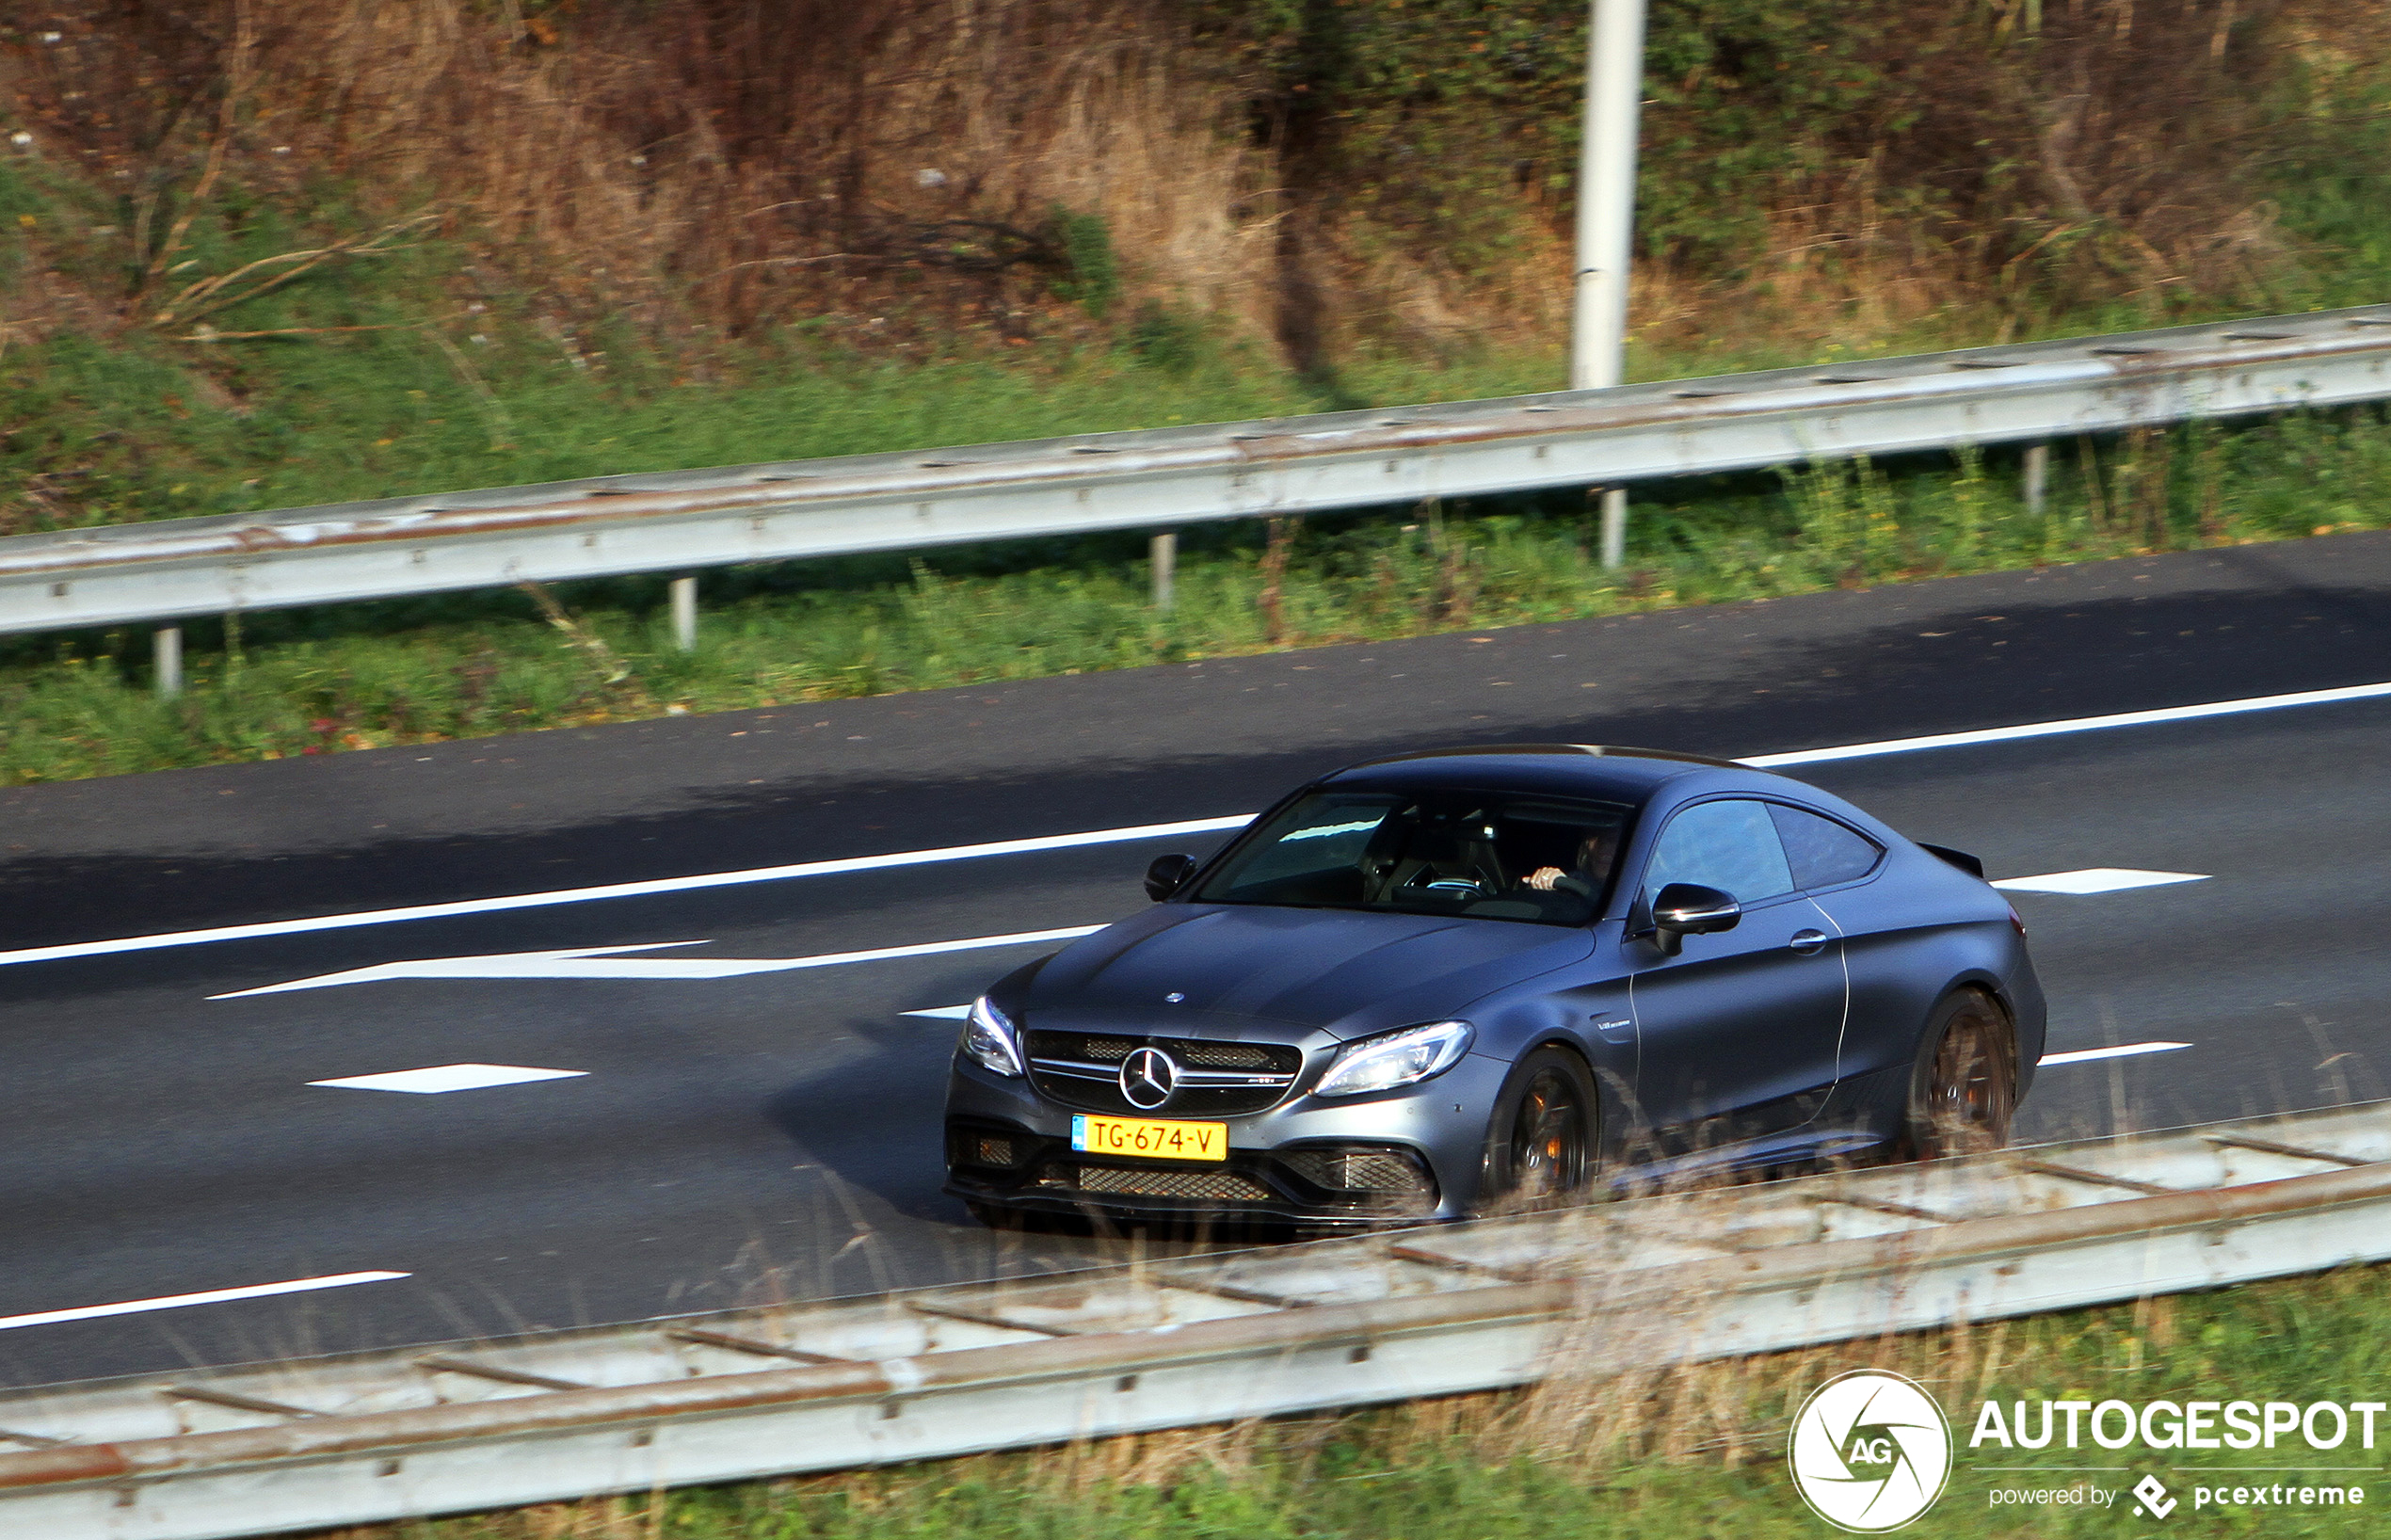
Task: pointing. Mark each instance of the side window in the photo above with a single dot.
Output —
(1732, 847)
(1822, 852)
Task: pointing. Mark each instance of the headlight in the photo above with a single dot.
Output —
(987, 1039)
(1398, 1058)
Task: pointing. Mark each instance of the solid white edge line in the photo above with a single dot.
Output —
(2082, 1055)
(2079, 724)
(619, 889)
(1094, 837)
(177, 1302)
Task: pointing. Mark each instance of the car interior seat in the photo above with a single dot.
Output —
(1417, 849)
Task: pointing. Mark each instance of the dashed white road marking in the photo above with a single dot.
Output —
(600, 963)
(449, 1077)
(942, 1013)
(177, 1302)
(2097, 879)
(2122, 1050)
(1098, 837)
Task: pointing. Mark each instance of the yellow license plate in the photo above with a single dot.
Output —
(1150, 1137)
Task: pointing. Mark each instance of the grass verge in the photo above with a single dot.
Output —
(1690, 1452)
(402, 672)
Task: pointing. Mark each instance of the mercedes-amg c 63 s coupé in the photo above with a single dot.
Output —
(1432, 986)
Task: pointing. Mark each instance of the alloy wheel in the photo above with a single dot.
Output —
(1549, 1138)
(1972, 1090)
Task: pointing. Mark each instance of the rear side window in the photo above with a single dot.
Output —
(1730, 845)
(1820, 851)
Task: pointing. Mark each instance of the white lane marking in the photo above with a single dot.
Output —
(1095, 837)
(176, 1301)
(449, 1077)
(595, 965)
(2097, 879)
(942, 1013)
(2082, 1055)
(619, 889)
(2077, 724)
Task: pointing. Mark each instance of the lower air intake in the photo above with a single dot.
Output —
(1216, 1186)
(1376, 1171)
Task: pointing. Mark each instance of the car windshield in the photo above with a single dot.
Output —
(1486, 855)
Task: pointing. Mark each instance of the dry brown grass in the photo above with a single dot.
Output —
(707, 166)
(715, 162)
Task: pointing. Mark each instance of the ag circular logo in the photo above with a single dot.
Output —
(1871, 1451)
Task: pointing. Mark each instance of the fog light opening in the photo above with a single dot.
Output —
(1365, 1173)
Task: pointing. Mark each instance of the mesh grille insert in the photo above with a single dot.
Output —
(1220, 1055)
(1219, 1186)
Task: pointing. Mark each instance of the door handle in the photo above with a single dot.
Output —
(1808, 942)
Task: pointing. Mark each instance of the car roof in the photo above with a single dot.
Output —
(1622, 773)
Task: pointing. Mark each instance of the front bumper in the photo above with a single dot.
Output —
(1402, 1158)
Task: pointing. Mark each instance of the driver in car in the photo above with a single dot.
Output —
(1593, 865)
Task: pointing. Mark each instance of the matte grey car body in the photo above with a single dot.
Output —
(1784, 1028)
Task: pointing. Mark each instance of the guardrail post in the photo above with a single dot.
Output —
(2037, 476)
(166, 651)
(1161, 553)
(1614, 528)
(684, 614)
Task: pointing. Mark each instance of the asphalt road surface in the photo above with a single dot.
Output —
(671, 1138)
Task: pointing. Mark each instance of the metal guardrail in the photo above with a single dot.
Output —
(1190, 1341)
(1163, 479)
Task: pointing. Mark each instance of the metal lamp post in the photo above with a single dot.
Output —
(1606, 220)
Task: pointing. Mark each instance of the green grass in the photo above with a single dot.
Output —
(1698, 1452)
(100, 426)
(279, 684)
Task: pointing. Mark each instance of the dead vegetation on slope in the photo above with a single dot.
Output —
(1319, 172)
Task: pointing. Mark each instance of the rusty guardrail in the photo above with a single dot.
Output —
(1165, 478)
(959, 1370)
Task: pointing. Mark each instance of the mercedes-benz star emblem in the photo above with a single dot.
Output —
(1149, 1077)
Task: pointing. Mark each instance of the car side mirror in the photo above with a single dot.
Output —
(1168, 873)
(1689, 909)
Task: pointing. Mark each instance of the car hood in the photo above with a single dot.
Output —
(1348, 974)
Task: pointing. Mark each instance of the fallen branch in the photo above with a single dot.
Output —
(209, 334)
(240, 75)
(211, 295)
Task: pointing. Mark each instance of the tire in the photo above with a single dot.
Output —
(1964, 1085)
(1542, 1149)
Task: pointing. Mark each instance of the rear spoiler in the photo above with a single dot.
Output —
(1960, 858)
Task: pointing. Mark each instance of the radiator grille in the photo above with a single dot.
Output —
(1075, 1069)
